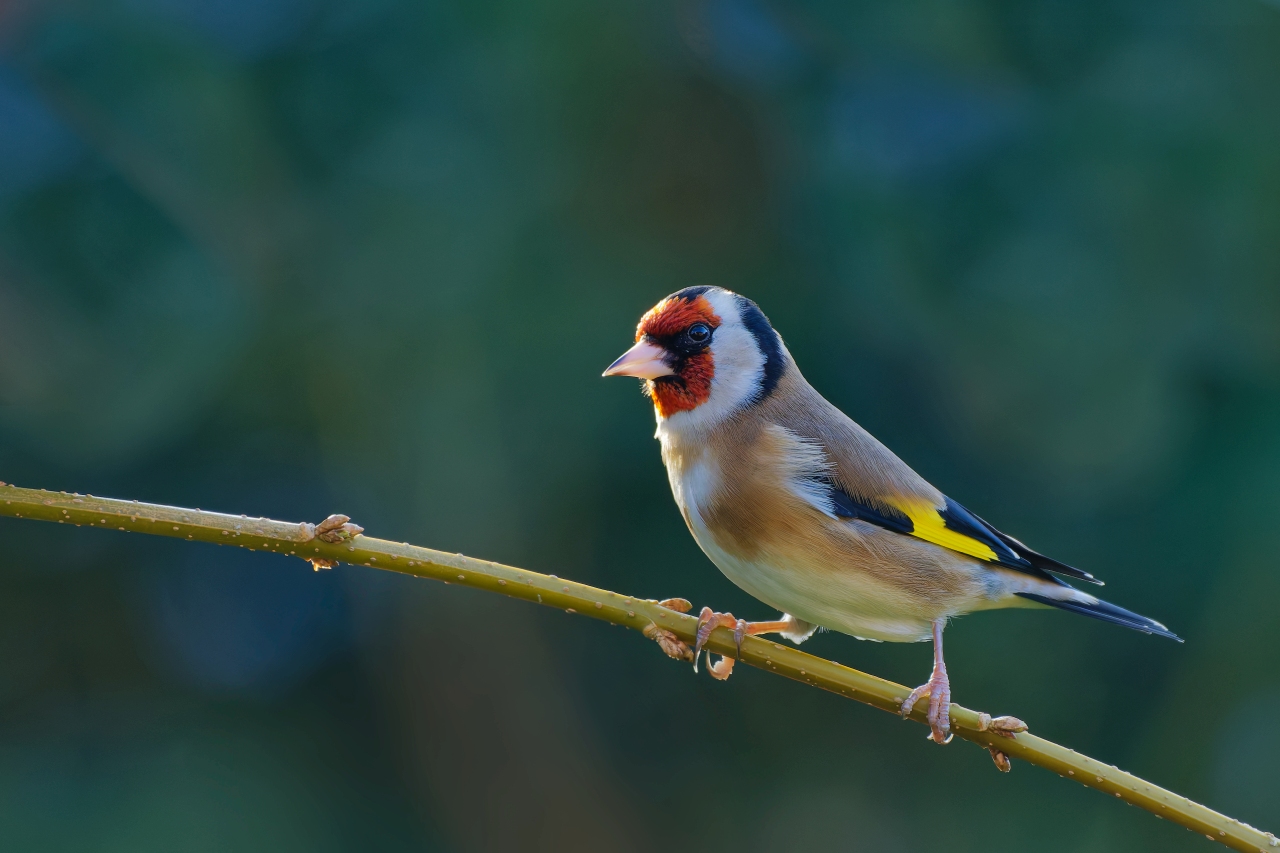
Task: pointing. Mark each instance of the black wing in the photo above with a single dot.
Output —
(952, 527)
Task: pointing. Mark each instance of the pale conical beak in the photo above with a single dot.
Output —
(645, 360)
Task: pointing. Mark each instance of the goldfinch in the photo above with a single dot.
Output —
(806, 511)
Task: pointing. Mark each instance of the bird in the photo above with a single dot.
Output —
(807, 512)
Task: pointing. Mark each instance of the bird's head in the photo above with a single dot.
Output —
(703, 353)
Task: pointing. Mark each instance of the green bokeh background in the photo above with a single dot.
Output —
(294, 257)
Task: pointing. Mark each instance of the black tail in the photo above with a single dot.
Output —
(1107, 613)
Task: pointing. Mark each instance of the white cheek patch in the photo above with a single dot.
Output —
(738, 364)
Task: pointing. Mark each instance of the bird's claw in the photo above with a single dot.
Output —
(938, 689)
(708, 621)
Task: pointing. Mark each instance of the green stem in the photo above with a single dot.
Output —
(300, 540)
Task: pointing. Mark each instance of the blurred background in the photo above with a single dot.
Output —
(295, 257)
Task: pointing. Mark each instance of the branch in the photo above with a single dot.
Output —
(335, 540)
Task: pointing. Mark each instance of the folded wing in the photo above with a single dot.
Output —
(949, 526)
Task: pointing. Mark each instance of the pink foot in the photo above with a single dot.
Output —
(938, 689)
(708, 621)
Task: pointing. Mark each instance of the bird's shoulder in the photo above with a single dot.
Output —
(855, 460)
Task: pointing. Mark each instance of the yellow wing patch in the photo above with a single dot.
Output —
(931, 527)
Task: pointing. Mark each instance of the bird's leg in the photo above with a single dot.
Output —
(938, 689)
(709, 620)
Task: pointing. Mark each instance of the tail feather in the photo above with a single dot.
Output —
(1107, 612)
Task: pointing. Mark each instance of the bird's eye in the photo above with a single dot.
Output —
(699, 333)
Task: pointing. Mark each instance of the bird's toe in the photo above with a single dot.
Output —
(938, 690)
(909, 704)
(708, 621)
(940, 714)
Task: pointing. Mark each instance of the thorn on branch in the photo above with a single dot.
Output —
(679, 605)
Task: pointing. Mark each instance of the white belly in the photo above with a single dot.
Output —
(850, 602)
